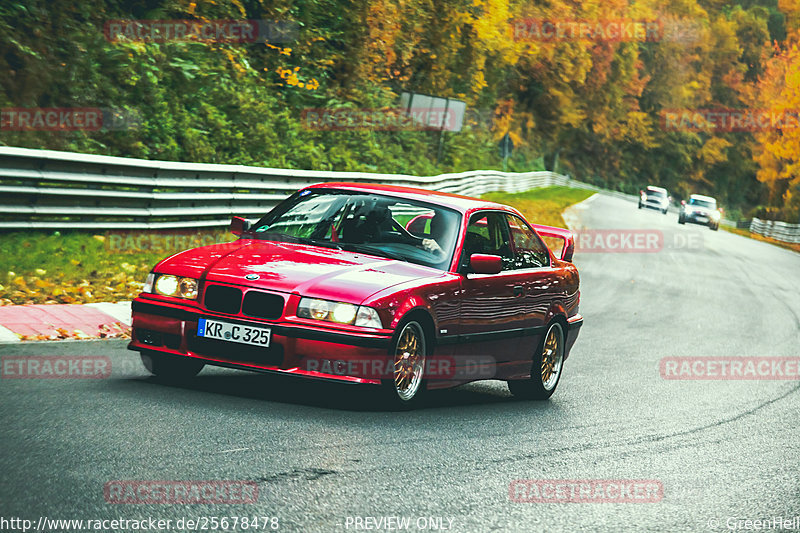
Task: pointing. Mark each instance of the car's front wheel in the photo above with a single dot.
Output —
(546, 369)
(714, 227)
(409, 353)
(664, 211)
(173, 367)
(681, 220)
(640, 205)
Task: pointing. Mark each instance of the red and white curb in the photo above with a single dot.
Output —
(70, 321)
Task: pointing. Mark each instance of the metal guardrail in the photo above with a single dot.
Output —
(46, 189)
(780, 231)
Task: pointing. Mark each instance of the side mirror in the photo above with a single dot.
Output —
(485, 264)
(239, 225)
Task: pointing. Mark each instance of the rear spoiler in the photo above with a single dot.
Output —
(568, 248)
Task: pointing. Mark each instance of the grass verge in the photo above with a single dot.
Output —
(542, 206)
(38, 267)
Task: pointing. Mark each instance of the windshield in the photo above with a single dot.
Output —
(651, 192)
(396, 228)
(703, 203)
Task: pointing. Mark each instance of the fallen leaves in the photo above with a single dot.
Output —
(40, 288)
(117, 330)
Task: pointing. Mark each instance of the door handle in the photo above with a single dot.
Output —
(519, 290)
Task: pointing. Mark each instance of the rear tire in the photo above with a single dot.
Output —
(409, 353)
(546, 369)
(171, 367)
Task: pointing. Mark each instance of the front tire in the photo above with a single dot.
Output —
(546, 369)
(409, 353)
(664, 211)
(640, 205)
(681, 220)
(171, 367)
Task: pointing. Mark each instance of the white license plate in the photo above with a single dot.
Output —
(225, 331)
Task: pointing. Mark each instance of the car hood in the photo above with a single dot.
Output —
(296, 268)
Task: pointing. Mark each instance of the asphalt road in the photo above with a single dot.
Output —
(321, 453)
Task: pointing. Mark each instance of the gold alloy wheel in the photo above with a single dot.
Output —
(552, 357)
(409, 361)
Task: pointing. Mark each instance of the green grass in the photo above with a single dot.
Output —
(542, 206)
(84, 267)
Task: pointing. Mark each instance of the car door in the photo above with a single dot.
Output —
(493, 309)
(542, 286)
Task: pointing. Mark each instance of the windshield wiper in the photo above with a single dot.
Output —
(374, 250)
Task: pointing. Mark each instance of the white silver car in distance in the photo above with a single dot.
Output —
(654, 198)
(700, 210)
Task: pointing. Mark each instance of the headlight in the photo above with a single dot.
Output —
(168, 285)
(715, 215)
(338, 312)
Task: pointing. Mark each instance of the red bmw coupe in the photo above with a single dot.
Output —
(404, 288)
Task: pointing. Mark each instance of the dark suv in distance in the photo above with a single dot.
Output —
(700, 210)
(654, 198)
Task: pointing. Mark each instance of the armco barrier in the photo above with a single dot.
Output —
(53, 190)
(44, 189)
(780, 231)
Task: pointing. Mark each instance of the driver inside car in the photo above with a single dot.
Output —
(438, 234)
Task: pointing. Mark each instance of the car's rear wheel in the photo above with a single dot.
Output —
(409, 353)
(546, 369)
(173, 367)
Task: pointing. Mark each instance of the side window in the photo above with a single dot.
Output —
(487, 233)
(529, 250)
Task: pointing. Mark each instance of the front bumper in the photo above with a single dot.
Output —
(574, 324)
(653, 205)
(699, 218)
(297, 349)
